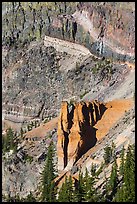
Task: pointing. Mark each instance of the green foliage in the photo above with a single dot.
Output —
(80, 191)
(118, 187)
(77, 66)
(48, 190)
(105, 64)
(29, 198)
(28, 158)
(113, 181)
(47, 119)
(93, 170)
(21, 132)
(90, 190)
(82, 95)
(107, 154)
(35, 124)
(50, 136)
(16, 198)
(66, 192)
(121, 169)
(27, 21)
(8, 141)
(129, 175)
(29, 127)
(126, 191)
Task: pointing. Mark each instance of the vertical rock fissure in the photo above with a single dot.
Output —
(66, 141)
(70, 116)
(70, 113)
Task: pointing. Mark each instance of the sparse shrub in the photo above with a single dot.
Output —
(82, 95)
(77, 66)
(46, 120)
(107, 154)
(8, 141)
(28, 158)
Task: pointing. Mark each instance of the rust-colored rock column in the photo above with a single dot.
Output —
(76, 131)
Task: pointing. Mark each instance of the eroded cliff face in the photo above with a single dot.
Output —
(111, 26)
(76, 131)
(36, 71)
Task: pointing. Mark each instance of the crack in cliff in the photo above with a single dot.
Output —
(65, 149)
(70, 113)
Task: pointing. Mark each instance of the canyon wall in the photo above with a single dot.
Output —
(76, 131)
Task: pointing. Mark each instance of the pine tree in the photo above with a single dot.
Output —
(121, 168)
(48, 175)
(107, 154)
(113, 149)
(21, 132)
(80, 190)
(126, 190)
(4, 143)
(105, 194)
(119, 197)
(10, 135)
(63, 193)
(8, 141)
(114, 176)
(66, 192)
(70, 189)
(93, 170)
(129, 175)
(90, 192)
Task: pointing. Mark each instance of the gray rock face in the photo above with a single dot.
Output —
(36, 79)
(20, 175)
(39, 85)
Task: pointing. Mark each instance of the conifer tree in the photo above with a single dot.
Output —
(110, 184)
(80, 190)
(70, 189)
(62, 193)
(48, 174)
(113, 178)
(126, 191)
(121, 168)
(129, 175)
(66, 192)
(113, 149)
(90, 192)
(21, 132)
(107, 154)
(93, 170)
(8, 141)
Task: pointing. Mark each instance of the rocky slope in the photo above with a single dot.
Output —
(26, 96)
(41, 71)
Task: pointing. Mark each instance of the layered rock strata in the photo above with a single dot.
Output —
(76, 131)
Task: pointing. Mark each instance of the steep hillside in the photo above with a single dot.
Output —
(25, 55)
(68, 76)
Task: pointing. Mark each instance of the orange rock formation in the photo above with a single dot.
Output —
(86, 116)
(76, 133)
